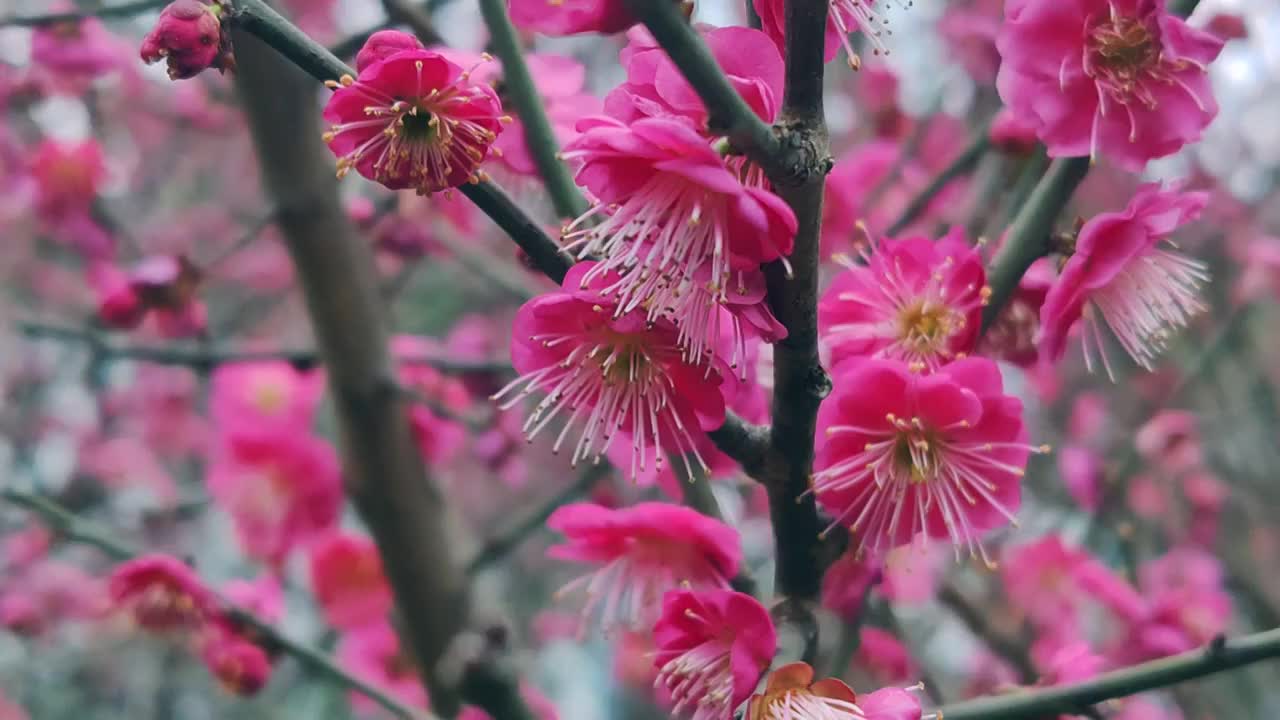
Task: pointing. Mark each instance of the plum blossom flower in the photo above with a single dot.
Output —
(267, 394)
(903, 454)
(1012, 337)
(348, 581)
(1050, 581)
(68, 176)
(1120, 275)
(642, 552)
(655, 87)
(571, 17)
(240, 666)
(435, 426)
(413, 119)
(712, 646)
(161, 593)
(792, 694)
(1124, 78)
(75, 51)
(189, 37)
(282, 488)
(915, 300)
(683, 231)
(614, 374)
(855, 205)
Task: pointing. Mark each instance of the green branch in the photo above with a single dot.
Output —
(1219, 656)
(962, 165)
(538, 135)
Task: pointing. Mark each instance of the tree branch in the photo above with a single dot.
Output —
(122, 10)
(973, 617)
(76, 529)
(384, 472)
(538, 135)
(1218, 656)
(205, 359)
(962, 165)
(1028, 238)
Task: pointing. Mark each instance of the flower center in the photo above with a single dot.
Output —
(916, 456)
(419, 125)
(1125, 46)
(927, 326)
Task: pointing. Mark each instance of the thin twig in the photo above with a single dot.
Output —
(502, 544)
(539, 138)
(108, 11)
(1218, 656)
(962, 165)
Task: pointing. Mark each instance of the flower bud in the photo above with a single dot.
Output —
(189, 37)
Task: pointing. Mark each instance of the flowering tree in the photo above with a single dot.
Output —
(758, 406)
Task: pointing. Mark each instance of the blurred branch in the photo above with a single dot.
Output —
(107, 11)
(962, 165)
(502, 544)
(205, 359)
(523, 93)
(1029, 236)
(975, 619)
(76, 529)
(1218, 656)
(385, 476)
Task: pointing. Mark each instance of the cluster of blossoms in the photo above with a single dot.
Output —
(162, 595)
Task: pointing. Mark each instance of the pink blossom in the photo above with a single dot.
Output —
(847, 582)
(76, 50)
(792, 694)
(35, 598)
(571, 17)
(912, 573)
(240, 666)
(915, 300)
(1187, 606)
(413, 120)
(262, 596)
(126, 465)
(712, 647)
(1119, 276)
(282, 488)
(1122, 78)
(25, 547)
(642, 552)
(843, 17)
(161, 593)
(68, 177)
(1012, 132)
(885, 657)
(904, 454)
(655, 87)
(1228, 26)
(382, 45)
(373, 653)
(970, 31)
(684, 229)
(1144, 708)
(264, 394)
(439, 438)
(617, 374)
(188, 36)
(1082, 473)
(1049, 581)
(348, 581)
(1012, 337)
(1171, 439)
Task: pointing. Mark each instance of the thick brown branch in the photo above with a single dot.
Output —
(385, 474)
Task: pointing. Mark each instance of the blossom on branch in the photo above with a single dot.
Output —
(1121, 78)
(190, 38)
(642, 552)
(905, 455)
(412, 119)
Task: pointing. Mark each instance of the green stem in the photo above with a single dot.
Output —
(1218, 656)
(1028, 238)
(538, 135)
